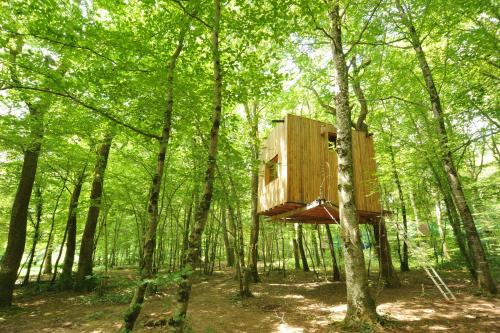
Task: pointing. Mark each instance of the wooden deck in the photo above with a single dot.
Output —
(319, 211)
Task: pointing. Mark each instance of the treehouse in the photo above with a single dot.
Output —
(298, 176)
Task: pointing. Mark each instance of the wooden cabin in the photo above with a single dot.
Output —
(298, 173)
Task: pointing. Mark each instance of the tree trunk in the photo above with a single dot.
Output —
(404, 258)
(331, 246)
(485, 279)
(177, 321)
(69, 257)
(227, 242)
(452, 215)
(36, 233)
(187, 226)
(47, 257)
(253, 120)
(146, 266)
(19, 214)
(441, 230)
(360, 304)
(296, 254)
(300, 242)
(47, 267)
(82, 282)
(386, 269)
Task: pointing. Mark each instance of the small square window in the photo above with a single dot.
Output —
(332, 141)
(271, 172)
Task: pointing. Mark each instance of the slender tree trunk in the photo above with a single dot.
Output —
(331, 246)
(253, 120)
(36, 233)
(56, 264)
(227, 243)
(485, 279)
(177, 321)
(146, 265)
(69, 256)
(82, 281)
(300, 242)
(16, 238)
(187, 226)
(296, 254)
(404, 258)
(360, 304)
(452, 215)
(314, 242)
(47, 256)
(441, 230)
(47, 267)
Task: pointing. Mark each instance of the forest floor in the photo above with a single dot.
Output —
(297, 303)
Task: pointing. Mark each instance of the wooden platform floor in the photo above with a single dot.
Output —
(319, 211)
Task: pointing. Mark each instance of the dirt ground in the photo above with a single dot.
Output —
(297, 303)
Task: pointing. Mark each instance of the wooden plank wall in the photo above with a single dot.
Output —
(302, 151)
(274, 193)
(308, 153)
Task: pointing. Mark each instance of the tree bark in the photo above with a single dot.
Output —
(82, 282)
(296, 254)
(146, 266)
(16, 238)
(227, 242)
(253, 120)
(47, 257)
(335, 267)
(485, 279)
(177, 321)
(300, 242)
(386, 269)
(404, 258)
(36, 233)
(360, 304)
(69, 257)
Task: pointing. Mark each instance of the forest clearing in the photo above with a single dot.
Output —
(249, 166)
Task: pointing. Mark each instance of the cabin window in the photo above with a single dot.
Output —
(271, 169)
(332, 141)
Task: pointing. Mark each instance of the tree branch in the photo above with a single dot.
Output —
(192, 14)
(85, 105)
(367, 23)
(325, 106)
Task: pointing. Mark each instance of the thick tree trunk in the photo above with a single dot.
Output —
(146, 267)
(331, 246)
(69, 257)
(19, 214)
(457, 232)
(300, 242)
(177, 321)
(82, 281)
(360, 304)
(485, 279)
(386, 269)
